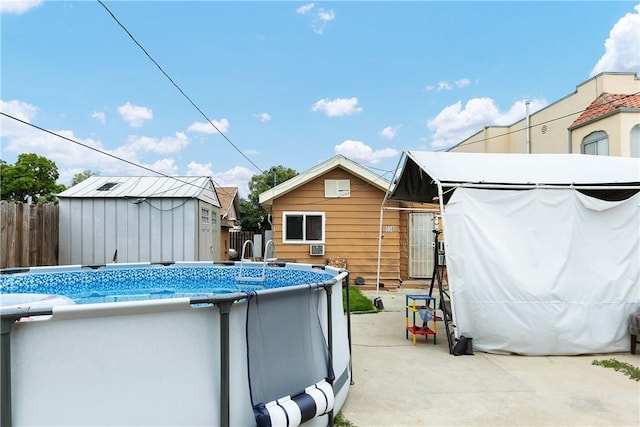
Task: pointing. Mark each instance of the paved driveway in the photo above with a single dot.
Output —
(399, 384)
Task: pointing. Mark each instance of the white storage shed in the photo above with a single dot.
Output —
(542, 250)
(139, 219)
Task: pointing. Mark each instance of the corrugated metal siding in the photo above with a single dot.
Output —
(91, 230)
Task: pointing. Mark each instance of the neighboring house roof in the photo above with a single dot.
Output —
(605, 104)
(338, 161)
(198, 187)
(228, 198)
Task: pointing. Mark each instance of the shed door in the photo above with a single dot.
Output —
(421, 245)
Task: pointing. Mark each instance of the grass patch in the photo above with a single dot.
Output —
(359, 302)
(626, 368)
(341, 421)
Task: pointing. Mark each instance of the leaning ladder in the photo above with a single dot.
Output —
(261, 278)
(445, 298)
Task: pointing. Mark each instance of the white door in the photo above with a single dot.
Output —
(421, 245)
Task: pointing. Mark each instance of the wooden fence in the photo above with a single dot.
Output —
(237, 239)
(28, 235)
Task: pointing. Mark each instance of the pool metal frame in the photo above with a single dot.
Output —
(224, 302)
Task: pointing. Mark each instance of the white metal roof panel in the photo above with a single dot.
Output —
(200, 187)
(502, 168)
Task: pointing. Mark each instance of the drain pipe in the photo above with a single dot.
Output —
(528, 137)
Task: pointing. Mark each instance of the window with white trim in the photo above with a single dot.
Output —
(334, 188)
(204, 215)
(596, 143)
(303, 227)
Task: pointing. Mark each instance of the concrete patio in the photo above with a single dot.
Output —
(397, 383)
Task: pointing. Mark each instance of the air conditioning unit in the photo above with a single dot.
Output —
(316, 250)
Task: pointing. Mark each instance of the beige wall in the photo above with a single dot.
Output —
(617, 126)
(548, 131)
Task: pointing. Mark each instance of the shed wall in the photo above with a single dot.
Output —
(92, 230)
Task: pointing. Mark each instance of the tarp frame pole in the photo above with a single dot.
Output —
(384, 202)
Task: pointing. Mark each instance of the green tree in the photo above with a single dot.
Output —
(81, 176)
(31, 175)
(252, 216)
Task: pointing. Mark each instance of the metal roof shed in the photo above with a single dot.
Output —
(139, 219)
(542, 250)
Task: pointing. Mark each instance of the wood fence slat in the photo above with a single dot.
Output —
(28, 235)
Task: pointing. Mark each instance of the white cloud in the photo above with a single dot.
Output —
(445, 85)
(134, 115)
(164, 145)
(203, 127)
(305, 8)
(237, 176)
(263, 117)
(18, 6)
(337, 107)
(390, 132)
(251, 152)
(199, 169)
(20, 110)
(99, 116)
(360, 152)
(67, 155)
(622, 48)
(164, 166)
(454, 123)
(462, 83)
(319, 18)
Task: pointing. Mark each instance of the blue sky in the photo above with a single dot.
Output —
(288, 83)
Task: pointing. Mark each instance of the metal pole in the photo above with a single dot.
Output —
(528, 136)
(225, 309)
(5, 372)
(349, 328)
(329, 290)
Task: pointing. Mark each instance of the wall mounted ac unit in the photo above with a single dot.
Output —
(316, 250)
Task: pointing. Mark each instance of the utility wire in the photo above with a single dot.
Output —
(108, 154)
(464, 144)
(179, 88)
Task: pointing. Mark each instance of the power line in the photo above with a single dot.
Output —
(536, 125)
(108, 154)
(178, 87)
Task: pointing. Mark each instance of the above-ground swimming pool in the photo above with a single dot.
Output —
(245, 343)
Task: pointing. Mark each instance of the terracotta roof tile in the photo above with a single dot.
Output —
(606, 103)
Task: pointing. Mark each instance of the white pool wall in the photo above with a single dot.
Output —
(141, 363)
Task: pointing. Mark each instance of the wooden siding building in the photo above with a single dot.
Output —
(230, 206)
(331, 214)
(139, 219)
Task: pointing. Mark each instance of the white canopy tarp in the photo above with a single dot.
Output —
(536, 264)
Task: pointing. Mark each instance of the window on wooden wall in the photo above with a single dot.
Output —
(596, 143)
(334, 188)
(303, 227)
(204, 215)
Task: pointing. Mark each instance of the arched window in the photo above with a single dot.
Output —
(596, 143)
(634, 141)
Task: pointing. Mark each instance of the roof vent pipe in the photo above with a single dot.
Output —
(526, 104)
